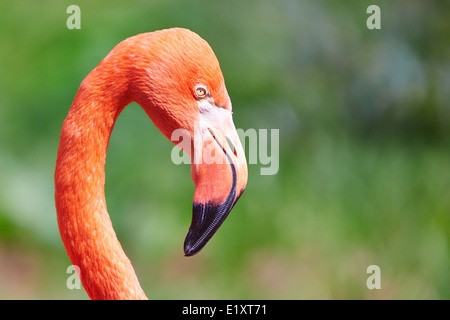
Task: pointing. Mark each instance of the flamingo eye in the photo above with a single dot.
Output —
(201, 91)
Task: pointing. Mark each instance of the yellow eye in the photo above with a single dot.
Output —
(201, 91)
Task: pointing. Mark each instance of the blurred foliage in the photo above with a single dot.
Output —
(364, 175)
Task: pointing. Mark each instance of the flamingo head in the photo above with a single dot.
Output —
(179, 83)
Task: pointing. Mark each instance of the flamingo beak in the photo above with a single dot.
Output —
(219, 171)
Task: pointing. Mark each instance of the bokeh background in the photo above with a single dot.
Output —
(364, 163)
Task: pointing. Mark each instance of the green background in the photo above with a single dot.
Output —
(364, 164)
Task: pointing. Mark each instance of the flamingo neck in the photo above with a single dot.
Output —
(83, 220)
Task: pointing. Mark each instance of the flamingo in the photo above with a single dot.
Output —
(175, 77)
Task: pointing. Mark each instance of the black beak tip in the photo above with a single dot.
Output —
(192, 243)
(189, 250)
(206, 219)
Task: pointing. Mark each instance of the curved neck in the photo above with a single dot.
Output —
(84, 223)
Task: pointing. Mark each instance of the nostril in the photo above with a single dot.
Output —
(212, 133)
(232, 148)
(230, 144)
